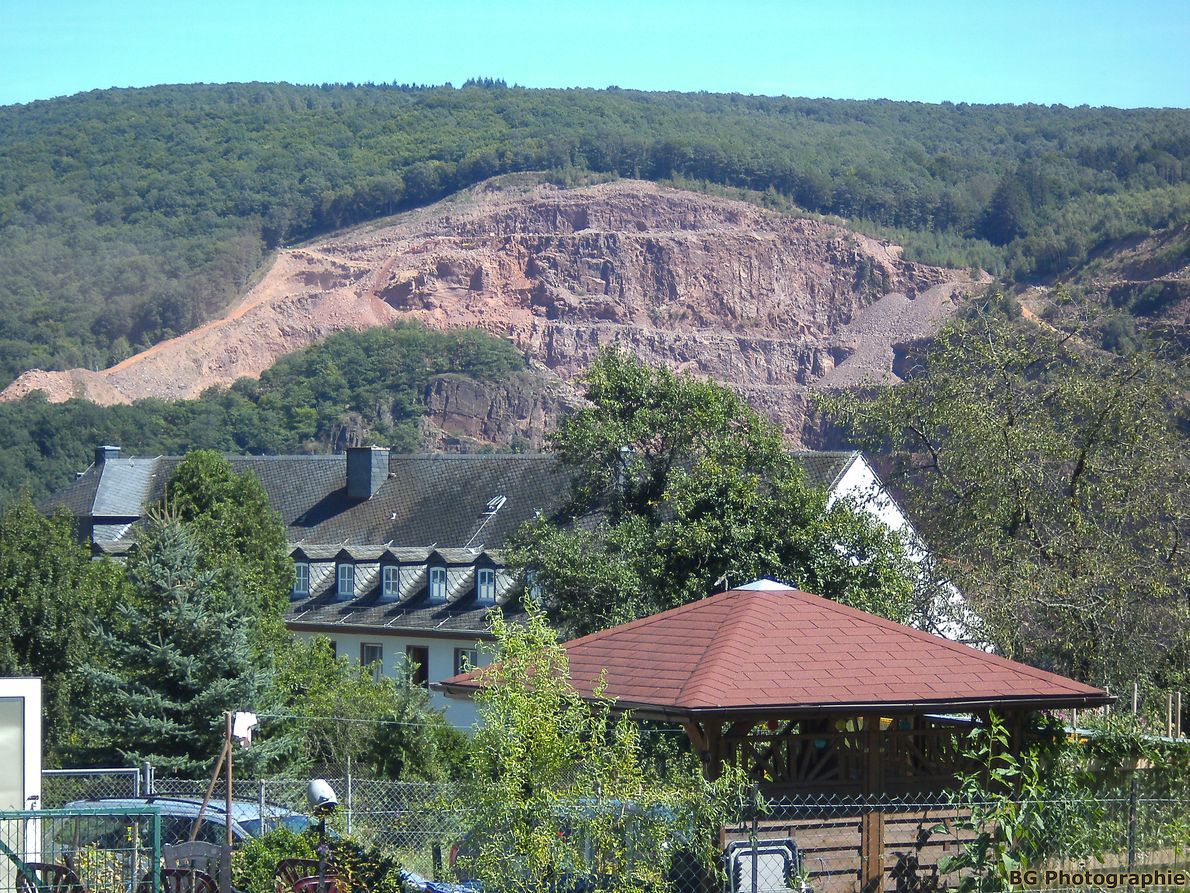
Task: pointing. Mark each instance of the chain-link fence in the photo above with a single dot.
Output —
(409, 820)
(824, 843)
(107, 850)
(62, 786)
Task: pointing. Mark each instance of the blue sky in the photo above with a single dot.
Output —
(1098, 53)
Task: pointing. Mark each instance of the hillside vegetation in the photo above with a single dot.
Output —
(128, 216)
(355, 387)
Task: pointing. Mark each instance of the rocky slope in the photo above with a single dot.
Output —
(773, 305)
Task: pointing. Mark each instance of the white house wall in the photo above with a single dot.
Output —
(459, 713)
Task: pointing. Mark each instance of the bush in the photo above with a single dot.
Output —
(364, 868)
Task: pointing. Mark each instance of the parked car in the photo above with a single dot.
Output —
(177, 820)
(415, 883)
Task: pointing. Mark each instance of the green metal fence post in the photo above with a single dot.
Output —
(156, 869)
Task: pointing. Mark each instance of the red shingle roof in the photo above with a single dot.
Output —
(783, 650)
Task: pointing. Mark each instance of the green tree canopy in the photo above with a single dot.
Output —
(50, 590)
(682, 490)
(1052, 484)
(241, 540)
(354, 387)
(170, 663)
(328, 714)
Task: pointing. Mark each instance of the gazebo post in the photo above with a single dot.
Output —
(872, 820)
(714, 736)
(708, 744)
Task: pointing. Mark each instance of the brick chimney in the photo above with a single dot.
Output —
(367, 469)
(103, 453)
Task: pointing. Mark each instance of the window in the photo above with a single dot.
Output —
(532, 585)
(438, 584)
(372, 656)
(466, 659)
(418, 659)
(390, 581)
(301, 579)
(485, 586)
(346, 588)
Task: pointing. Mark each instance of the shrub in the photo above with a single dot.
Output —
(365, 868)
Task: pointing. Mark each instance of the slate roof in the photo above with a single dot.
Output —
(824, 467)
(370, 614)
(778, 650)
(428, 500)
(123, 488)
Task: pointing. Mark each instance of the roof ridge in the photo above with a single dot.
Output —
(709, 661)
(958, 647)
(652, 618)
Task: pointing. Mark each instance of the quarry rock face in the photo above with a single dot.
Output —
(773, 305)
(519, 412)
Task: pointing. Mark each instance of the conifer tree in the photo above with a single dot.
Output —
(171, 662)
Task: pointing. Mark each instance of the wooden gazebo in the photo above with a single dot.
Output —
(812, 697)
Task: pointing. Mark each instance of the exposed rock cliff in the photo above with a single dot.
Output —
(772, 305)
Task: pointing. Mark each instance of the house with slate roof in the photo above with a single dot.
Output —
(398, 558)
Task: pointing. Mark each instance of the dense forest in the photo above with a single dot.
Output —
(355, 387)
(128, 216)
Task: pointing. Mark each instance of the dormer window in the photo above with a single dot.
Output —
(485, 586)
(301, 579)
(390, 581)
(437, 585)
(346, 580)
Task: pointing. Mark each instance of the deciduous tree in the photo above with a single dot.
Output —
(1052, 483)
(50, 590)
(557, 792)
(682, 490)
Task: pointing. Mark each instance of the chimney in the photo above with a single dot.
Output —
(367, 469)
(103, 453)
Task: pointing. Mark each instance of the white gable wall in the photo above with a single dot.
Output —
(860, 483)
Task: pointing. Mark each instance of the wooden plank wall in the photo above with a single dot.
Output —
(832, 847)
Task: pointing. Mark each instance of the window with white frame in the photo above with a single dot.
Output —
(438, 584)
(485, 586)
(390, 581)
(372, 656)
(301, 579)
(346, 580)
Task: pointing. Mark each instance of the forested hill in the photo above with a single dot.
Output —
(382, 375)
(127, 216)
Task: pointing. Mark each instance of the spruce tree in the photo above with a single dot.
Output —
(171, 663)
